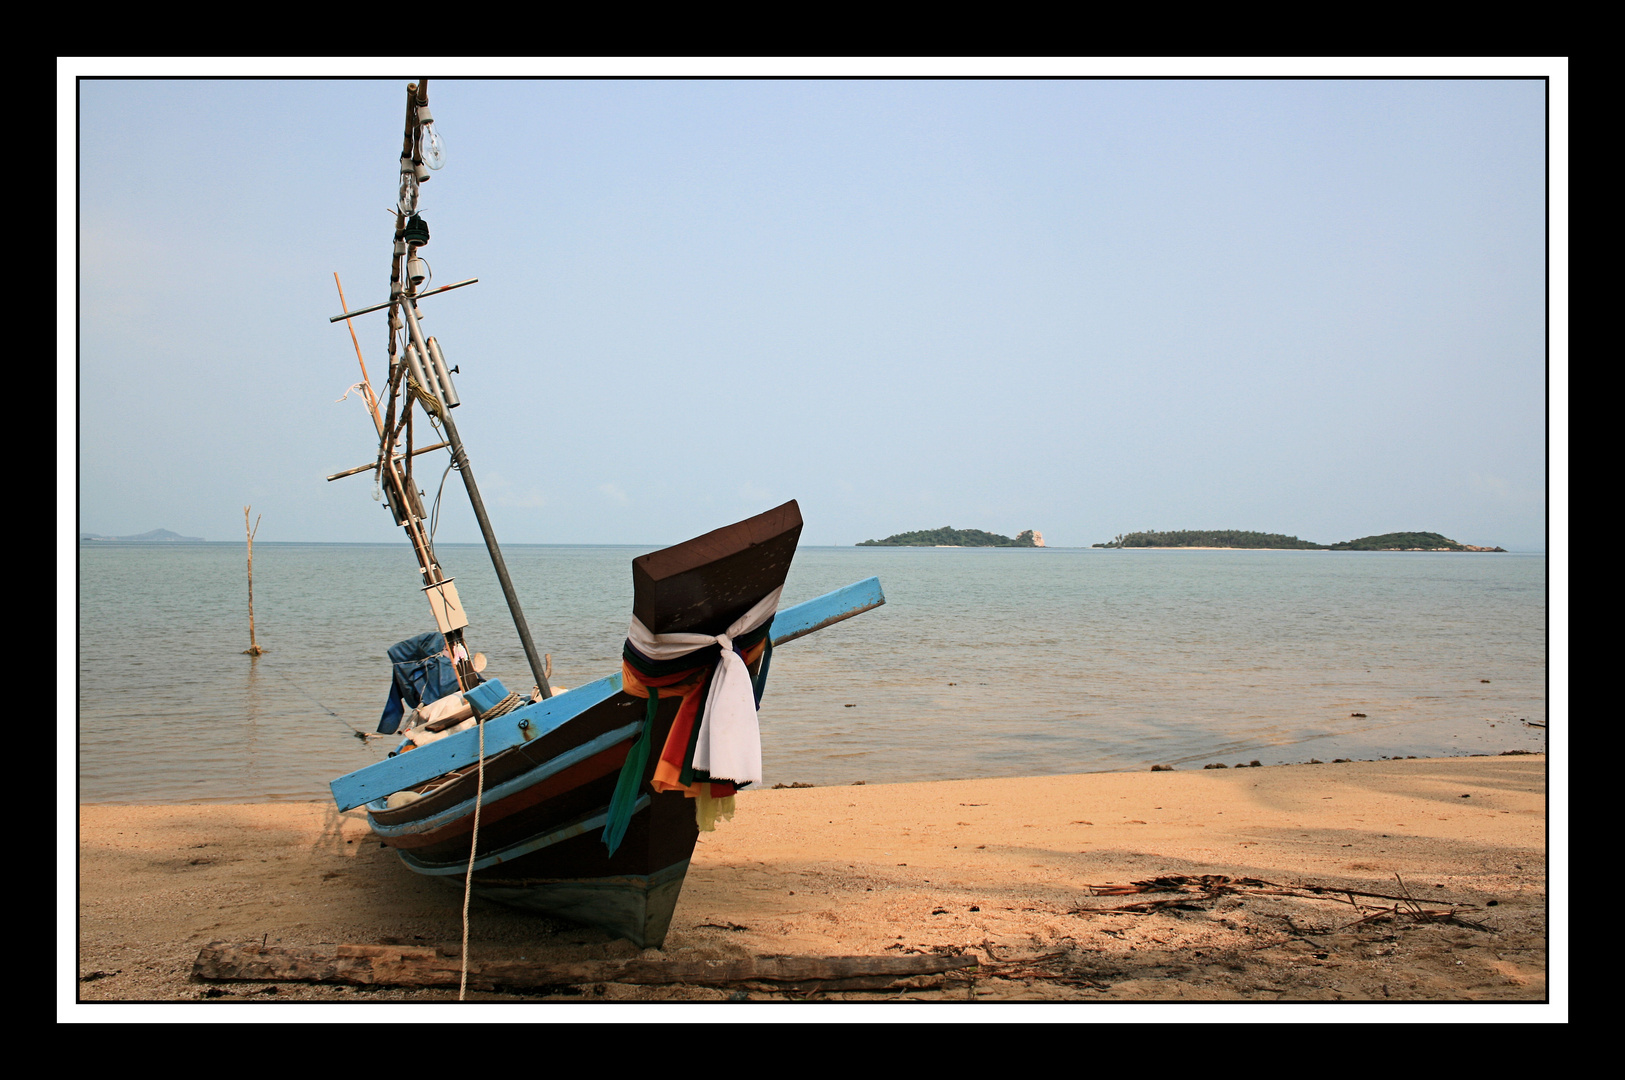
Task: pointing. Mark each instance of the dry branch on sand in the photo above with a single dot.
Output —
(1191, 891)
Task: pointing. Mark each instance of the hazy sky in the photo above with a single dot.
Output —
(1085, 306)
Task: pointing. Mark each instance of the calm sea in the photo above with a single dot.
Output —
(983, 663)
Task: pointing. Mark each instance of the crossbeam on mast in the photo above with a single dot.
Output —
(373, 465)
(419, 296)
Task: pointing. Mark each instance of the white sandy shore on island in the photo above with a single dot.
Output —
(998, 869)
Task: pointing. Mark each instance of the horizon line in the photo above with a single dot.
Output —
(116, 542)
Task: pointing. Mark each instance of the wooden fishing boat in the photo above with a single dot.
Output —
(551, 767)
(586, 804)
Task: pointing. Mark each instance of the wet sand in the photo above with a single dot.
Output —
(1001, 870)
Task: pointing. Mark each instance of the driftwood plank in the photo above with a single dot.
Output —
(410, 966)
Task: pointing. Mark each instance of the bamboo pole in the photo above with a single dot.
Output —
(366, 384)
(253, 647)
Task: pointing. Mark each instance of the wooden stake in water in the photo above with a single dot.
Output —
(253, 648)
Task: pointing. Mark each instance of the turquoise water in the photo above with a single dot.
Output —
(983, 663)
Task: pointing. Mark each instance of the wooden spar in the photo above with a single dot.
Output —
(379, 307)
(373, 465)
(535, 720)
(366, 383)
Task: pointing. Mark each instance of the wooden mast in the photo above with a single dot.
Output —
(394, 469)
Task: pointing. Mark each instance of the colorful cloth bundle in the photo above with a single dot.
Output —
(713, 747)
(653, 679)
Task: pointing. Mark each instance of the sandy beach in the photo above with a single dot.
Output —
(1008, 872)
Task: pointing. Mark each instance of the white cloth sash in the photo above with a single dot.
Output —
(730, 744)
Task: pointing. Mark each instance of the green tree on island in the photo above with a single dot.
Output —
(1217, 538)
(948, 536)
(1234, 538)
(1406, 541)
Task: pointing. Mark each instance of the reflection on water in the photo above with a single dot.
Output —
(983, 662)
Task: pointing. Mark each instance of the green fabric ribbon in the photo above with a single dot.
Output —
(626, 786)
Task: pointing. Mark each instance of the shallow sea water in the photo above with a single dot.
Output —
(983, 662)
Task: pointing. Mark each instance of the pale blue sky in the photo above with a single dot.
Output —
(1082, 306)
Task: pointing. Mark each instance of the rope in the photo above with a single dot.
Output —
(360, 734)
(503, 707)
(506, 705)
(473, 846)
(430, 405)
(434, 515)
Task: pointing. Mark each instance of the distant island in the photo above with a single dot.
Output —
(161, 536)
(948, 536)
(1411, 541)
(1236, 538)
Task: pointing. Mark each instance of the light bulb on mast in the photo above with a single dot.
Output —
(434, 147)
(408, 201)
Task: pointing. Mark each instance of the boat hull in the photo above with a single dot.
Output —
(637, 907)
(543, 803)
(549, 774)
(540, 841)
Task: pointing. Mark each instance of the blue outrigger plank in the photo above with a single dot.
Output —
(463, 748)
(531, 721)
(815, 614)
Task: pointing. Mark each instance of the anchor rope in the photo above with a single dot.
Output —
(360, 734)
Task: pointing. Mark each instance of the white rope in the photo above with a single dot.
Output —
(473, 846)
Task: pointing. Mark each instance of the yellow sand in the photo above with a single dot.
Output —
(1000, 869)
